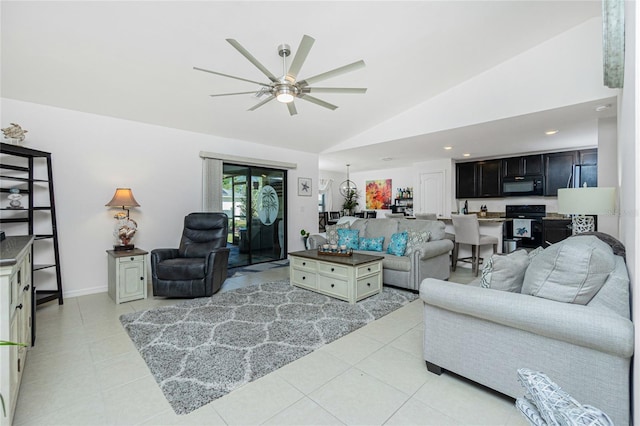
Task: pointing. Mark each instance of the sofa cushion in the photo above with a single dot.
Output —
(332, 232)
(371, 244)
(348, 237)
(398, 244)
(505, 272)
(381, 228)
(396, 263)
(572, 270)
(435, 227)
(415, 239)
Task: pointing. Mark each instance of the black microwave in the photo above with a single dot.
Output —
(522, 185)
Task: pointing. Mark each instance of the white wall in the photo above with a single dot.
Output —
(92, 155)
(400, 178)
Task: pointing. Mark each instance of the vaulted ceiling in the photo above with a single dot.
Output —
(134, 60)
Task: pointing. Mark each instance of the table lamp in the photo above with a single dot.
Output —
(583, 203)
(126, 227)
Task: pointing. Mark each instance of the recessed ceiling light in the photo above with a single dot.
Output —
(466, 154)
(387, 159)
(448, 147)
(551, 132)
(603, 107)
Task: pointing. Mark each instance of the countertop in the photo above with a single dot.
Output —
(11, 247)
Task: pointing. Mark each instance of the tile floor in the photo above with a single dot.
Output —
(84, 370)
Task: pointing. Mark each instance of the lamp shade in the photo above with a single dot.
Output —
(586, 201)
(123, 198)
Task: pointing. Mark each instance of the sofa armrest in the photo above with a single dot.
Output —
(316, 240)
(572, 323)
(434, 248)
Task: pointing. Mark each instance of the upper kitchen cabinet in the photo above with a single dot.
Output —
(529, 165)
(479, 179)
(466, 180)
(558, 171)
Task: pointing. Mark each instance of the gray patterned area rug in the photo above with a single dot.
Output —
(202, 349)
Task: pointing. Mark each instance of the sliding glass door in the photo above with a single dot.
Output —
(254, 199)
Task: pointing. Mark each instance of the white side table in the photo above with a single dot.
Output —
(127, 275)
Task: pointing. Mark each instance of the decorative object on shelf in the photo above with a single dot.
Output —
(14, 197)
(583, 203)
(14, 133)
(347, 186)
(126, 227)
(304, 187)
(378, 194)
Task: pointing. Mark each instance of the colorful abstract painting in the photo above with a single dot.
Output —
(378, 194)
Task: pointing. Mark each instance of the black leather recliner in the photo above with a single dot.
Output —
(199, 266)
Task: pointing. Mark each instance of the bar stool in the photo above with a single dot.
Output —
(467, 231)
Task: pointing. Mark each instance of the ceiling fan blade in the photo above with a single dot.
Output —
(301, 55)
(258, 105)
(237, 93)
(231, 76)
(333, 73)
(334, 90)
(292, 108)
(244, 52)
(318, 101)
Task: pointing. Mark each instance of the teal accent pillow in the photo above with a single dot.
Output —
(371, 244)
(398, 244)
(349, 238)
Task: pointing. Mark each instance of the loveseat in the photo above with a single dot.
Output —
(564, 311)
(430, 258)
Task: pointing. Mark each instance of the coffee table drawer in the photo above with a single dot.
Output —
(337, 287)
(371, 268)
(302, 263)
(333, 269)
(367, 286)
(303, 278)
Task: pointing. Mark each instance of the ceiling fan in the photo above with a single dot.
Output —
(286, 88)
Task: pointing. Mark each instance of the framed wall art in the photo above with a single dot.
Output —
(304, 187)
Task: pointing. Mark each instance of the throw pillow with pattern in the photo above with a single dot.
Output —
(371, 244)
(505, 273)
(332, 232)
(398, 244)
(349, 238)
(415, 239)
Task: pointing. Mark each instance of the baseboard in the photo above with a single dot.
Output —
(84, 292)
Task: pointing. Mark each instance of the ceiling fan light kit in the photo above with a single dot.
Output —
(287, 88)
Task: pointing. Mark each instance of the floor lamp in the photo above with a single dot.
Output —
(583, 203)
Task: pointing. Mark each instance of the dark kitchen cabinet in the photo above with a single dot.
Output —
(558, 171)
(466, 180)
(489, 178)
(588, 157)
(555, 230)
(529, 165)
(479, 179)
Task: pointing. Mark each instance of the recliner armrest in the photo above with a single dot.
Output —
(158, 255)
(216, 258)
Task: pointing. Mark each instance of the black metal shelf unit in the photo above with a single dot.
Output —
(41, 296)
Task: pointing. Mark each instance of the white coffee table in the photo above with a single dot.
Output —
(349, 278)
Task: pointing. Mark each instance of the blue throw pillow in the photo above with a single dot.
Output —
(349, 238)
(398, 244)
(371, 244)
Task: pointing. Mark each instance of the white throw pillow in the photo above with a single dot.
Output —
(505, 273)
(571, 271)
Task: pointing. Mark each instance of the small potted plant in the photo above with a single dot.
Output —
(350, 202)
(305, 237)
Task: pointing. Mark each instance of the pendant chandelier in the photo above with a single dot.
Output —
(347, 186)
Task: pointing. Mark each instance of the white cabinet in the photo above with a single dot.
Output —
(16, 294)
(349, 279)
(127, 275)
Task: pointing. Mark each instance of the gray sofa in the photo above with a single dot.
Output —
(486, 335)
(431, 259)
